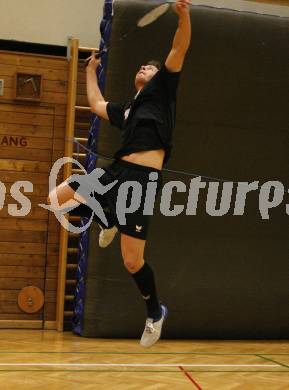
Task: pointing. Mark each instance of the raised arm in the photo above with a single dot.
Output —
(182, 39)
(95, 98)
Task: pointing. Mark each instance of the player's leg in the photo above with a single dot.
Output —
(107, 233)
(65, 195)
(132, 250)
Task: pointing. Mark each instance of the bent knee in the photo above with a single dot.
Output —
(133, 264)
(61, 194)
(52, 197)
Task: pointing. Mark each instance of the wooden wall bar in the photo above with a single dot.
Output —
(31, 139)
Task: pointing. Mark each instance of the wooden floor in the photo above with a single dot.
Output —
(50, 360)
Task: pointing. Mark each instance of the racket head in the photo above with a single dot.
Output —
(153, 15)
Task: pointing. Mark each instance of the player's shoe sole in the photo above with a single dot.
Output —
(106, 236)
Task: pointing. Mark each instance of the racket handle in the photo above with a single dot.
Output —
(97, 56)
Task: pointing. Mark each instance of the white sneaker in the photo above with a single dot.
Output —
(153, 330)
(106, 236)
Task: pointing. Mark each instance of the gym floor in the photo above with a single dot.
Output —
(36, 359)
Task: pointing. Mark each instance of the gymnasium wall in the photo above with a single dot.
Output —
(31, 139)
(51, 22)
(222, 277)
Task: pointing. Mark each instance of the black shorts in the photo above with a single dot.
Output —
(136, 222)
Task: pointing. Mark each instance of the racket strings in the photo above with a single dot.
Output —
(153, 15)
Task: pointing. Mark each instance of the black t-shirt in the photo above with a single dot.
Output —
(147, 122)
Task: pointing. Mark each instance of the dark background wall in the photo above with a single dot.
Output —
(222, 277)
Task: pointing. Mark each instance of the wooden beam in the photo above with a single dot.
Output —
(71, 102)
(20, 324)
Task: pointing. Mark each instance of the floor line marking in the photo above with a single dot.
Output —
(273, 360)
(142, 353)
(151, 371)
(130, 365)
(190, 378)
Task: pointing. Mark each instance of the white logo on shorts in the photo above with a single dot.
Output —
(126, 113)
(138, 229)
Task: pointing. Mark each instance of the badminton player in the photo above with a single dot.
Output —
(146, 124)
